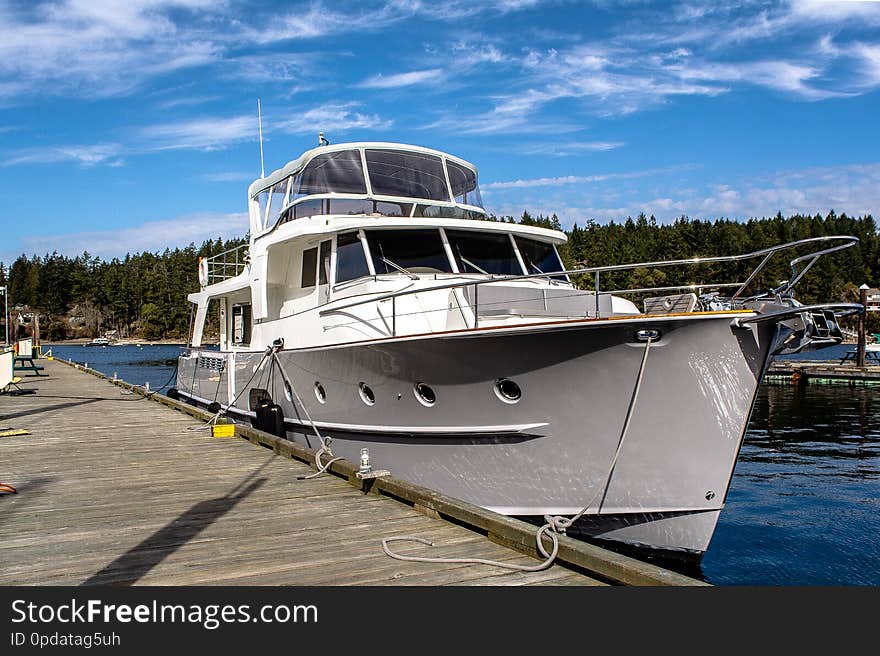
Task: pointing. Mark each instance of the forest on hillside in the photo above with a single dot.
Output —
(144, 294)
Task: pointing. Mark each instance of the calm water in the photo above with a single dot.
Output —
(804, 504)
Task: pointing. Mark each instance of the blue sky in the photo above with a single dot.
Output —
(131, 125)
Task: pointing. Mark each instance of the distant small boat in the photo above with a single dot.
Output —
(98, 341)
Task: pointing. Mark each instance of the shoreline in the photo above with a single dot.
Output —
(82, 341)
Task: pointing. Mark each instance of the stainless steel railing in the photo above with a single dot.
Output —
(227, 264)
(766, 253)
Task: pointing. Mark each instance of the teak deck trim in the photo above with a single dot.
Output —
(507, 531)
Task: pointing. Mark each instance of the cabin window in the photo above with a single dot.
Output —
(324, 269)
(309, 267)
(241, 324)
(340, 172)
(407, 174)
(350, 206)
(464, 184)
(263, 202)
(308, 208)
(276, 200)
(483, 252)
(351, 262)
(417, 251)
(446, 211)
(539, 256)
(393, 209)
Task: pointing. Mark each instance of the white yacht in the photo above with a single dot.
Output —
(373, 305)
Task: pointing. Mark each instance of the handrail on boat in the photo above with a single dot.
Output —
(227, 264)
(848, 241)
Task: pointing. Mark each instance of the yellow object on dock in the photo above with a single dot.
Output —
(223, 430)
(13, 432)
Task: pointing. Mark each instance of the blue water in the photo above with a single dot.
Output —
(804, 503)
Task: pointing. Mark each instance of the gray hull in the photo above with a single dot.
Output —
(551, 451)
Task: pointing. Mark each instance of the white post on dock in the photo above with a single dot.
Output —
(5, 290)
(863, 320)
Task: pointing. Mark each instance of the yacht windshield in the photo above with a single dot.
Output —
(340, 172)
(464, 184)
(407, 174)
(539, 256)
(417, 251)
(351, 263)
(483, 252)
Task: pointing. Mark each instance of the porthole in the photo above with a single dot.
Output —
(367, 395)
(320, 394)
(507, 390)
(425, 394)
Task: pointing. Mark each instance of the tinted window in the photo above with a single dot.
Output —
(309, 267)
(411, 175)
(418, 251)
(324, 269)
(350, 206)
(539, 256)
(393, 209)
(483, 252)
(464, 184)
(308, 208)
(351, 262)
(276, 200)
(339, 172)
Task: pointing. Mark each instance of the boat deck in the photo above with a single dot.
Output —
(117, 489)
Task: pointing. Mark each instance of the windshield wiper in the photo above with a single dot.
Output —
(411, 275)
(472, 265)
(550, 278)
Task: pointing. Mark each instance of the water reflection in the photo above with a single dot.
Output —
(804, 504)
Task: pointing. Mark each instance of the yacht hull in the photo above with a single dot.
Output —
(551, 451)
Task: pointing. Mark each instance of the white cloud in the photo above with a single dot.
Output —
(207, 134)
(580, 179)
(95, 48)
(853, 189)
(210, 133)
(332, 117)
(106, 154)
(187, 101)
(402, 79)
(566, 148)
(149, 236)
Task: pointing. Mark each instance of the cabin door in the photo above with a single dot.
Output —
(323, 289)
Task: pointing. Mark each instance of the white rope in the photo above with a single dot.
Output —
(556, 525)
(325, 441)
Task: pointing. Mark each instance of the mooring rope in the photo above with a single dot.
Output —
(325, 441)
(555, 525)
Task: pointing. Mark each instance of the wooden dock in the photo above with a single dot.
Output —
(806, 371)
(114, 488)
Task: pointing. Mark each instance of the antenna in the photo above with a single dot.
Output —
(260, 122)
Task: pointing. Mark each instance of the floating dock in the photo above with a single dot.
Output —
(122, 489)
(823, 371)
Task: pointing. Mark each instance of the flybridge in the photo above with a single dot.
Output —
(366, 179)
